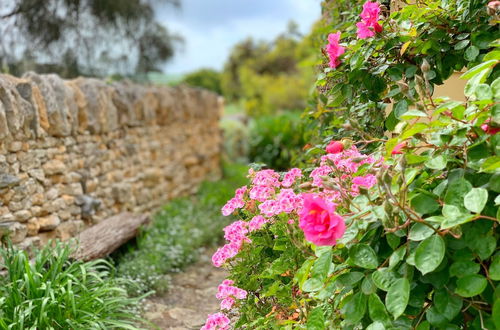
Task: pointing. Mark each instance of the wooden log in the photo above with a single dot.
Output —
(105, 237)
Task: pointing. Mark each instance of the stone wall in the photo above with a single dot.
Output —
(74, 152)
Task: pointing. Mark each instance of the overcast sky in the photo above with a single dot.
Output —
(211, 27)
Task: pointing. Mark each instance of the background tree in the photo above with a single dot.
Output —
(84, 37)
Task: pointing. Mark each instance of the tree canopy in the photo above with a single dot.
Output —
(84, 37)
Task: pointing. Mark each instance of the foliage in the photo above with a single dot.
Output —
(269, 76)
(417, 206)
(88, 37)
(177, 233)
(205, 78)
(235, 131)
(55, 292)
(276, 140)
(438, 36)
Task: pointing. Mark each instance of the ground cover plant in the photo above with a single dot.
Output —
(176, 234)
(55, 292)
(394, 222)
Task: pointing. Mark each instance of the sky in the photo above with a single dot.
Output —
(210, 28)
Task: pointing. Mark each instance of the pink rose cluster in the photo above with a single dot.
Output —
(216, 321)
(227, 293)
(236, 234)
(367, 28)
(346, 162)
(369, 20)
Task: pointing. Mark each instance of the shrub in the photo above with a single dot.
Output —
(276, 140)
(204, 78)
(176, 234)
(55, 292)
(382, 233)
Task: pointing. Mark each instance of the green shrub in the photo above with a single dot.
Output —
(177, 233)
(276, 140)
(55, 292)
(205, 78)
(235, 139)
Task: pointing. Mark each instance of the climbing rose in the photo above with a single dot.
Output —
(369, 20)
(216, 321)
(334, 147)
(320, 223)
(334, 49)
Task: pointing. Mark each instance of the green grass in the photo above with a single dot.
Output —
(177, 233)
(55, 292)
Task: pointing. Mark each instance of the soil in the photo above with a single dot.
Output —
(190, 299)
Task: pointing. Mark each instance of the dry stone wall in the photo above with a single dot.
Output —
(74, 152)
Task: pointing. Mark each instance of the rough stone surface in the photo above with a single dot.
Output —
(75, 152)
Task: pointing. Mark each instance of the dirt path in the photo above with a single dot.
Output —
(190, 299)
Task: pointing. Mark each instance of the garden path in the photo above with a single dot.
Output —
(190, 298)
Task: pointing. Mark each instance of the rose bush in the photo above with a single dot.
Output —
(394, 232)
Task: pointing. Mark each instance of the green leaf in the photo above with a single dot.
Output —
(363, 256)
(484, 246)
(471, 285)
(476, 199)
(437, 163)
(483, 92)
(397, 297)
(424, 204)
(367, 286)
(419, 232)
(478, 68)
(354, 308)
(471, 53)
(384, 278)
(491, 164)
(435, 317)
(494, 270)
(461, 44)
(462, 268)
(376, 309)
(423, 326)
(447, 304)
(349, 279)
(495, 87)
(376, 326)
(400, 108)
(456, 192)
(397, 256)
(429, 254)
(322, 265)
(312, 284)
(316, 319)
(496, 313)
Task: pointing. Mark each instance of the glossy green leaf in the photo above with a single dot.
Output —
(462, 268)
(436, 163)
(354, 308)
(363, 256)
(397, 256)
(471, 53)
(424, 204)
(376, 326)
(376, 309)
(429, 254)
(471, 285)
(383, 278)
(419, 232)
(322, 265)
(494, 270)
(397, 297)
(476, 199)
(447, 304)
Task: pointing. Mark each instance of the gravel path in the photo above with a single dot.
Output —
(190, 298)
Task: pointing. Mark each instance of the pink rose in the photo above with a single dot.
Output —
(320, 223)
(334, 49)
(334, 147)
(369, 20)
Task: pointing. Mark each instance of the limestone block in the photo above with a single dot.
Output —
(8, 181)
(49, 222)
(69, 229)
(53, 167)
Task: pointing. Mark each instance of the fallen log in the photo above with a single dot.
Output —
(105, 237)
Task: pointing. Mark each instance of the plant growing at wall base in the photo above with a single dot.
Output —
(52, 291)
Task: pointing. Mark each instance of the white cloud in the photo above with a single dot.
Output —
(212, 27)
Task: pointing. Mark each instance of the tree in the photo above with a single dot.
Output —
(84, 37)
